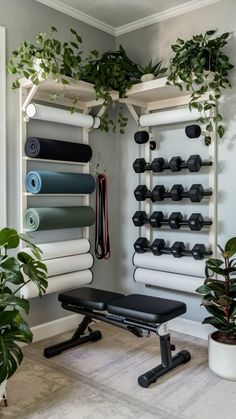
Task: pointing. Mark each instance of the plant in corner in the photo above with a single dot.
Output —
(48, 57)
(219, 298)
(15, 273)
(113, 70)
(151, 71)
(200, 65)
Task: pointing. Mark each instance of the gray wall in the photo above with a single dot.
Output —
(155, 42)
(23, 20)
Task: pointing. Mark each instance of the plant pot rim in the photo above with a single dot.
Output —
(216, 342)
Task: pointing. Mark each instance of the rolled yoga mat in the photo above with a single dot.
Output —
(59, 283)
(59, 182)
(168, 280)
(67, 264)
(50, 218)
(167, 263)
(61, 249)
(45, 148)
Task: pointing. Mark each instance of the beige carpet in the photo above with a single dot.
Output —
(99, 380)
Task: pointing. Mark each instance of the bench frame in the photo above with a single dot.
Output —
(136, 327)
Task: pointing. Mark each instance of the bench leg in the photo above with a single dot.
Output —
(77, 339)
(167, 362)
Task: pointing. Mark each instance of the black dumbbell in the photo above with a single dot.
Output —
(141, 245)
(156, 219)
(193, 164)
(141, 137)
(195, 222)
(157, 165)
(157, 194)
(196, 193)
(193, 131)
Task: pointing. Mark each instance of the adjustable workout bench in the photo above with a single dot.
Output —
(138, 314)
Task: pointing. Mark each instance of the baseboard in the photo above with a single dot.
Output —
(190, 327)
(55, 327)
(64, 324)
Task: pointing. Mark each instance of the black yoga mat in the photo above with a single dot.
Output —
(59, 182)
(50, 218)
(45, 148)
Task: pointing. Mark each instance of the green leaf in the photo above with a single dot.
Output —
(211, 32)
(9, 238)
(11, 269)
(230, 247)
(53, 29)
(220, 131)
(214, 265)
(16, 302)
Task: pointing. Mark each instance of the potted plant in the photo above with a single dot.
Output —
(219, 298)
(15, 273)
(151, 71)
(200, 65)
(47, 57)
(113, 70)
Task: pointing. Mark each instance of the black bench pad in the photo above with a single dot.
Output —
(147, 308)
(89, 298)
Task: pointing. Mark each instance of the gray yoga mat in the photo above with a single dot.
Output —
(50, 218)
(59, 182)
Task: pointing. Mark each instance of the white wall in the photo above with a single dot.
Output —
(155, 42)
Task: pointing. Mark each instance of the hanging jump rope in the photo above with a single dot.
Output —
(102, 239)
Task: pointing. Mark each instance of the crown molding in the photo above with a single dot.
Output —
(138, 24)
(166, 14)
(83, 17)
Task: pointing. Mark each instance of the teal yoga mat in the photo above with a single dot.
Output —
(50, 218)
(59, 182)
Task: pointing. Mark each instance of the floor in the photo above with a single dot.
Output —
(99, 380)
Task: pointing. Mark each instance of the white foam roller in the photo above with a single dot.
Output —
(60, 283)
(61, 116)
(167, 263)
(68, 264)
(168, 117)
(168, 280)
(63, 248)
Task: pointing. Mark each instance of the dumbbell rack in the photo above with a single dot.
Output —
(170, 97)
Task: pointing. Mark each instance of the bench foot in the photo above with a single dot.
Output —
(77, 339)
(152, 375)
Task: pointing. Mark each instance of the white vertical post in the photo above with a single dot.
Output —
(22, 161)
(148, 178)
(3, 188)
(213, 184)
(86, 170)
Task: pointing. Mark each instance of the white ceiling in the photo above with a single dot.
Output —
(120, 16)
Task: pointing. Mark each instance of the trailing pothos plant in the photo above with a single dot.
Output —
(219, 294)
(48, 57)
(112, 70)
(200, 65)
(15, 273)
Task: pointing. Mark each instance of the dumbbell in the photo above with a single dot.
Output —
(158, 247)
(142, 137)
(159, 193)
(193, 164)
(193, 131)
(195, 222)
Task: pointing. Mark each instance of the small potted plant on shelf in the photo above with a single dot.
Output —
(113, 70)
(219, 298)
(151, 71)
(47, 57)
(15, 273)
(200, 65)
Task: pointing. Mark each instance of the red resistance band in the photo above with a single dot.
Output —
(102, 239)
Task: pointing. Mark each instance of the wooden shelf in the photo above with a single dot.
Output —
(54, 161)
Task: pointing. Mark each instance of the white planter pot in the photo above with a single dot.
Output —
(147, 77)
(2, 389)
(222, 359)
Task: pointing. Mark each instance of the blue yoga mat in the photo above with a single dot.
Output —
(37, 182)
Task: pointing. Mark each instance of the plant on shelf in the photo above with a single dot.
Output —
(200, 65)
(219, 298)
(151, 71)
(15, 273)
(113, 70)
(48, 57)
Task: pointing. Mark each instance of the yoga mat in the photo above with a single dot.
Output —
(61, 116)
(168, 280)
(167, 263)
(50, 218)
(67, 264)
(62, 248)
(172, 116)
(59, 182)
(45, 148)
(60, 283)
